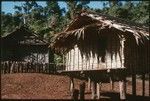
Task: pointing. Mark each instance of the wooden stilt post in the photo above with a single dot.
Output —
(82, 91)
(71, 87)
(111, 84)
(2, 66)
(122, 89)
(5, 66)
(12, 67)
(134, 84)
(143, 84)
(98, 90)
(75, 94)
(89, 84)
(9, 66)
(149, 84)
(93, 89)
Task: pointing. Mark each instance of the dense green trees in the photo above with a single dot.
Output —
(48, 20)
(136, 11)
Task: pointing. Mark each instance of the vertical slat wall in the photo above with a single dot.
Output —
(74, 61)
(24, 67)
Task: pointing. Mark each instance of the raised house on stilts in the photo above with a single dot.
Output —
(96, 44)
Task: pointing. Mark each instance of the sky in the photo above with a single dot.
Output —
(7, 6)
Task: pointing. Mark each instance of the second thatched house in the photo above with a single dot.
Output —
(95, 41)
(23, 44)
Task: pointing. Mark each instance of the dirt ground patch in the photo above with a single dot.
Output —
(43, 86)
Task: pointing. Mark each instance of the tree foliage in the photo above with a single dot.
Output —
(48, 20)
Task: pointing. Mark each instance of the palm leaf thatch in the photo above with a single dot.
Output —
(96, 34)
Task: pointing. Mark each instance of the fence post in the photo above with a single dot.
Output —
(51, 60)
(9, 64)
(2, 66)
(39, 66)
(12, 67)
(21, 66)
(5, 67)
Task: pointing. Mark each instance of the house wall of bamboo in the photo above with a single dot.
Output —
(76, 61)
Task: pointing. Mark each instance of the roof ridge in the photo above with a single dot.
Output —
(119, 20)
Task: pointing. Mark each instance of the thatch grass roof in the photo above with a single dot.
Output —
(21, 31)
(95, 28)
(98, 34)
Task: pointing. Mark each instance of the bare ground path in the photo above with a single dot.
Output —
(43, 86)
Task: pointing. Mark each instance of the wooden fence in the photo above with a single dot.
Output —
(29, 67)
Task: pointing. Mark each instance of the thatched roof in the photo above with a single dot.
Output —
(91, 31)
(19, 33)
(97, 35)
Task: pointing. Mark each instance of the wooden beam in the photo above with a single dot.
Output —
(122, 87)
